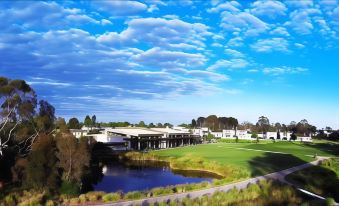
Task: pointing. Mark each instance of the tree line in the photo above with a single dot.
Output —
(263, 125)
(37, 151)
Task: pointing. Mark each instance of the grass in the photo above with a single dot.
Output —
(264, 193)
(322, 179)
(252, 157)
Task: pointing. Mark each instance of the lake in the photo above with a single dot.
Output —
(146, 175)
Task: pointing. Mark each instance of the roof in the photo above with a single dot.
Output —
(169, 131)
(135, 131)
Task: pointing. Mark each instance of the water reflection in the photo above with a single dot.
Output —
(136, 175)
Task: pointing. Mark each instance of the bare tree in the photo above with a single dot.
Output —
(17, 108)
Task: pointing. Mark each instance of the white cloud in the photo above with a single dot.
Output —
(231, 6)
(171, 16)
(159, 58)
(243, 22)
(301, 22)
(106, 22)
(152, 8)
(280, 31)
(271, 45)
(228, 64)
(121, 8)
(298, 45)
(158, 32)
(205, 74)
(270, 8)
(276, 71)
(234, 53)
(235, 42)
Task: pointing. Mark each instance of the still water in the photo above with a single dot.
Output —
(145, 175)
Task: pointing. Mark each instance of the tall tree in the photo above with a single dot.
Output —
(212, 122)
(88, 121)
(141, 124)
(194, 123)
(233, 123)
(264, 124)
(73, 156)
(94, 120)
(18, 102)
(46, 118)
(200, 121)
(73, 123)
(41, 171)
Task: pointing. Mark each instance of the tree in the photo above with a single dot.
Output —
(200, 121)
(277, 126)
(159, 125)
(212, 122)
(88, 121)
(60, 125)
(168, 125)
(18, 102)
(234, 123)
(73, 156)
(194, 123)
(293, 137)
(74, 123)
(263, 124)
(151, 125)
(255, 136)
(141, 124)
(41, 171)
(46, 118)
(94, 120)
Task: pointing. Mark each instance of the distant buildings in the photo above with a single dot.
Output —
(137, 138)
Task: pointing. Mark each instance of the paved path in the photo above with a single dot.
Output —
(280, 176)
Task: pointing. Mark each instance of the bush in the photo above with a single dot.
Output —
(95, 195)
(69, 189)
(49, 203)
(111, 197)
(330, 202)
(134, 195)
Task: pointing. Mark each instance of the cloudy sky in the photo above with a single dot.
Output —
(171, 61)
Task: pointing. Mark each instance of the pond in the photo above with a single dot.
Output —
(146, 175)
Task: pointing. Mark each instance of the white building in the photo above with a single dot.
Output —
(202, 132)
(241, 134)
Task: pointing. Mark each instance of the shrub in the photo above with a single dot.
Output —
(134, 195)
(95, 195)
(111, 197)
(69, 189)
(330, 202)
(49, 203)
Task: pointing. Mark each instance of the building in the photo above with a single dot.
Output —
(241, 134)
(144, 138)
(78, 132)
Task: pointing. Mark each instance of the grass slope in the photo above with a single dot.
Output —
(257, 158)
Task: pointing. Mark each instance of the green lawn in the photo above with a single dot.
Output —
(246, 155)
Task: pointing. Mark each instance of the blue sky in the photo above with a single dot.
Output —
(171, 61)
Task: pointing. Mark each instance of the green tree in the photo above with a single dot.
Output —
(210, 137)
(41, 171)
(88, 121)
(94, 121)
(46, 118)
(141, 124)
(18, 102)
(255, 136)
(194, 123)
(74, 123)
(263, 124)
(73, 156)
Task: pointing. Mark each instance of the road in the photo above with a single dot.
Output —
(280, 176)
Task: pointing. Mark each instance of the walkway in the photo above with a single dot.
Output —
(280, 176)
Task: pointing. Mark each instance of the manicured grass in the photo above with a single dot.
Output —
(246, 155)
